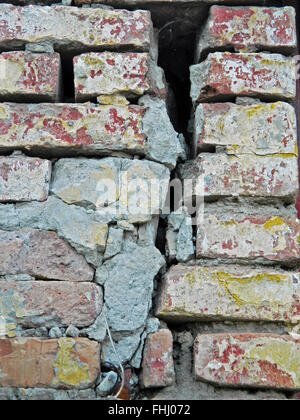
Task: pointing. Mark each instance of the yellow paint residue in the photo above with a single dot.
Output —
(254, 111)
(281, 353)
(242, 289)
(99, 234)
(274, 225)
(68, 368)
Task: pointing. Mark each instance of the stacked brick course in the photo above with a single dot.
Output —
(83, 187)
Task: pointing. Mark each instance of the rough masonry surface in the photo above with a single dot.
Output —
(248, 360)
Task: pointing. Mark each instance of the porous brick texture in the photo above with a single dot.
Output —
(63, 363)
(24, 179)
(260, 238)
(109, 73)
(249, 29)
(223, 75)
(148, 181)
(74, 29)
(30, 77)
(248, 360)
(229, 293)
(41, 254)
(158, 366)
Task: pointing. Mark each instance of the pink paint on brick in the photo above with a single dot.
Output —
(158, 366)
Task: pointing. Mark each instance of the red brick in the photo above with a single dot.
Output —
(226, 75)
(249, 29)
(24, 179)
(74, 29)
(110, 73)
(41, 254)
(33, 304)
(248, 360)
(248, 175)
(158, 365)
(252, 238)
(69, 127)
(227, 292)
(258, 129)
(34, 363)
(30, 77)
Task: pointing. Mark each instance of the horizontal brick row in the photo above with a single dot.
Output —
(33, 304)
(36, 77)
(109, 73)
(74, 29)
(248, 360)
(71, 127)
(229, 293)
(226, 75)
(249, 29)
(34, 363)
(41, 254)
(220, 175)
(252, 238)
(259, 129)
(24, 179)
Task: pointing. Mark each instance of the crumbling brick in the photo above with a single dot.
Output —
(248, 360)
(64, 363)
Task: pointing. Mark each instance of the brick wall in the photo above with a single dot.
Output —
(196, 285)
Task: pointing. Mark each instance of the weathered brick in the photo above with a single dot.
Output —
(158, 365)
(29, 77)
(221, 175)
(24, 179)
(248, 360)
(110, 73)
(260, 238)
(69, 129)
(74, 29)
(41, 254)
(229, 293)
(62, 127)
(260, 129)
(34, 363)
(226, 75)
(249, 29)
(33, 304)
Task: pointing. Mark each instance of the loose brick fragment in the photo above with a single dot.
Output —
(109, 73)
(34, 363)
(74, 128)
(41, 254)
(33, 304)
(227, 75)
(254, 238)
(220, 175)
(74, 29)
(249, 29)
(29, 77)
(158, 365)
(229, 293)
(24, 179)
(248, 360)
(260, 129)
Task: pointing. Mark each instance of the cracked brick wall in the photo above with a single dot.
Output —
(104, 105)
